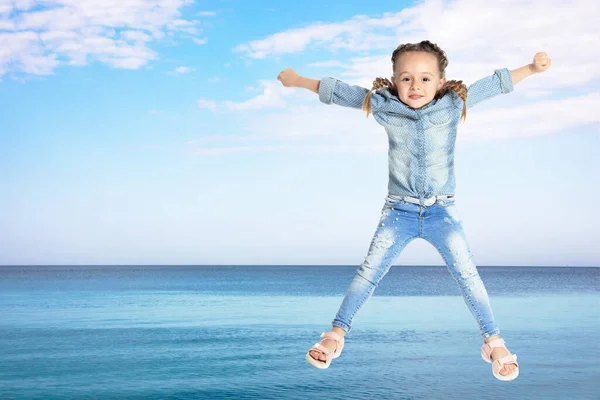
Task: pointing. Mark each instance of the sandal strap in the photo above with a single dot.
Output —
(339, 343)
(496, 343)
(509, 359)
(322, 349)
(332, 335)
(488, 347)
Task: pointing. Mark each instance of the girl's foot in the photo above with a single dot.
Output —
(318, 355)
(500, 352)
(329, 344)
(325, 354)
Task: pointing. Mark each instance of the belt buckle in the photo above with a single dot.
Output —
(430, 201)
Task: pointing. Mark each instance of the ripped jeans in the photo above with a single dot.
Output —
(440, 225)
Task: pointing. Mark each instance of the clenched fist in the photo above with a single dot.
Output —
(540, 63)
(288, 77)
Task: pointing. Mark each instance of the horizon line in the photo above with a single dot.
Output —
(283, 265)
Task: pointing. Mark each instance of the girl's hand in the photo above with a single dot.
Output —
(540, 63)
(288, 77)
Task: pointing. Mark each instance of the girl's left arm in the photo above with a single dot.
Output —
(540, 63)
(503, 80)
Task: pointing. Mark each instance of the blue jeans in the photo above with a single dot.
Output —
(440, 225)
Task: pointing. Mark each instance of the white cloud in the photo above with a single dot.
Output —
(317, 128)
(271, 97)
(6, 25)
(184, 26)
(326, 64)
(6, 7)
(184, 70)
(200, 41)
(211, 105)
(137, 36)
(349, 35)
(538, 93)
(37, 36)
(217, 151)
(542, 117)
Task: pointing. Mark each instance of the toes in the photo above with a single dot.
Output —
(317, 355)
(507, 370)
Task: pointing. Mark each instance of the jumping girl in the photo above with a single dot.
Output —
(420, 112)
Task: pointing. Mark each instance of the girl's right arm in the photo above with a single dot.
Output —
(330, 90)
(290, 78)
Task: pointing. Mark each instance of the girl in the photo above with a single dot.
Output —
(420, 112)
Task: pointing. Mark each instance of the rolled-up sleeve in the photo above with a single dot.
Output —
(326, 86)
(334, 91)
(490, 86)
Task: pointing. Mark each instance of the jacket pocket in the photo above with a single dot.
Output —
(390, 118)
(440, 118)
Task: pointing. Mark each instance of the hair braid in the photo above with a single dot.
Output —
(378, 83)
(460, 89)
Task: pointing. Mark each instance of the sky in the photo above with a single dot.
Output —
(155, 132)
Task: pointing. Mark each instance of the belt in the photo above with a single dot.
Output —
(426, 202)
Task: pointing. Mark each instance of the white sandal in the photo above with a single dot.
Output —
(329, 354)
(497, 365)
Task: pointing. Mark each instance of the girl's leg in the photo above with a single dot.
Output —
(397, 226)
(442, 227)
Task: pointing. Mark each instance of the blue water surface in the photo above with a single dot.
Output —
(241, 332)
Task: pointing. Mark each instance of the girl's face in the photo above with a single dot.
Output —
(417, 78)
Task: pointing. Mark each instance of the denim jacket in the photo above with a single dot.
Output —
(421, 142)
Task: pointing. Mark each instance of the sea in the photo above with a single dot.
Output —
(242, 332)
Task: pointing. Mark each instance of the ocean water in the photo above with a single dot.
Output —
(241, 332)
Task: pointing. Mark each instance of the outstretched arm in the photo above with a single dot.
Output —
(290, 78)
(503, 80)
(540, 63)
(330, 90)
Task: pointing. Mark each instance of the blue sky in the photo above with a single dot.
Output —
(158, 134)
